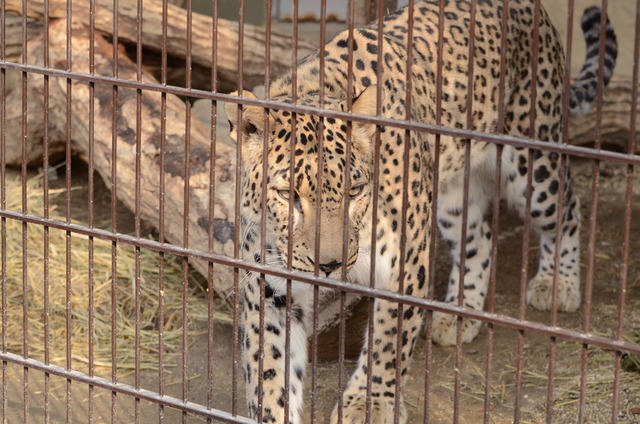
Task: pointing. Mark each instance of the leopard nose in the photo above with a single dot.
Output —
(328, 268)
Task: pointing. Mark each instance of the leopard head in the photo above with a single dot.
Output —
(312, 179)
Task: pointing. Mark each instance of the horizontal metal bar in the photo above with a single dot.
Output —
(576, 151)
(189, 407)
(504, 321)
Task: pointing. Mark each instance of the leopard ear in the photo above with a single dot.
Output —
(365, 104)
(252, 118)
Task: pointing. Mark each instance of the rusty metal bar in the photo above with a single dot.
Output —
(114, 212)
(465, 213)
(68, 315)
(405, 189)
(125, 389)
(263, 212)
(161, 211)
(90, 180)
(527, 214)
(495, 215)
(212, 195)
(351, 16)
(45, 212)
(237, 223)
(622, 288)
(428, 346)
(136, 212)
(318, 199)
(186, 197)
(3, 205)
(292, 194)
(25, 237)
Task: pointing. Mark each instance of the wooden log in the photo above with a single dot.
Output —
(13, 35)
(129, 133)
(201, 33)
(616, 122)
(31, 111)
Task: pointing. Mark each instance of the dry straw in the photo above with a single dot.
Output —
(78, 309)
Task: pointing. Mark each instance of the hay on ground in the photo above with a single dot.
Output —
(76, 261)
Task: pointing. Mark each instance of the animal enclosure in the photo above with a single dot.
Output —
(131, 197)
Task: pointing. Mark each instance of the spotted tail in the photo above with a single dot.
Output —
(585, 89)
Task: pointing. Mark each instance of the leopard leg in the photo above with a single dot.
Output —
(273, 350)
(477, 258)
(545, 199)
(395, 330)
(383, 369)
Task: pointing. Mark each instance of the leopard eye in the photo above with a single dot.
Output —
(284, 194)
(356, 190)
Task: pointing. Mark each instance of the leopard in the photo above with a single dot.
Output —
(326, 195)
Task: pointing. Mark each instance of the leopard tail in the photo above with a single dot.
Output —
(585, 88)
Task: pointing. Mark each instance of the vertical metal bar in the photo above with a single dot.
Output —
(594, 217)
(45, 196)
(263, 210)
(212, 196)
(68, 308)
(294, 119)
(428, 346)
(527, 215)
(624, 266)
(138, 169)
(114, 214)
(533, 134)
(375, 178)
(90, 179)
(185, 260)
(237, 222)
(3, 205)
(584, 351)
(341, 327)
(465, 213)
(405, 191)
(25, 236)
(161, 209)
(496, 209)
(318, 215)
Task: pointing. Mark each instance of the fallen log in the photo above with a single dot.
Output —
(13, 35)
(616, 120)
(148, 135)
(32, 109)
(201, 29)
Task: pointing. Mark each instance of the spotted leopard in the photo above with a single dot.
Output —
(321, 172)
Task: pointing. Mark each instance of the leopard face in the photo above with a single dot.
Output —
(318, 182)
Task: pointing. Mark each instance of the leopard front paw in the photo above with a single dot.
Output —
(354, 411)
(445, 327)
(540, 294)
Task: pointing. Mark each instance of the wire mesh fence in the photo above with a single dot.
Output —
(174, 251)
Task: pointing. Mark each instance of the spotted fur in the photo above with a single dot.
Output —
(325, 168)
